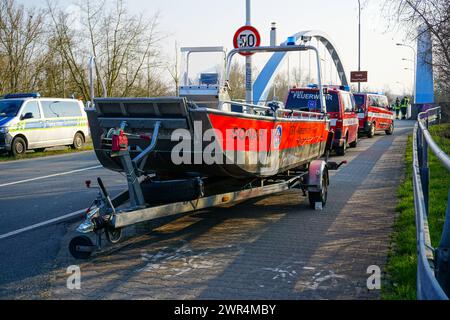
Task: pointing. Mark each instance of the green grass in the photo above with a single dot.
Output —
(48, 152)
(401, 269)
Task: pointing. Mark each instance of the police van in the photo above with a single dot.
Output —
(29, 122)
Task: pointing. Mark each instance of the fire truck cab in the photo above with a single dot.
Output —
(374, 114)
(341, 109)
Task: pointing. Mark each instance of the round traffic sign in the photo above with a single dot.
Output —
(246, 36)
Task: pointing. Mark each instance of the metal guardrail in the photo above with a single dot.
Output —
(433, 274)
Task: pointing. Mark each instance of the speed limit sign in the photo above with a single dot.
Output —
(246, 36)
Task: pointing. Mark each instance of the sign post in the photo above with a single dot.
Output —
(247, 36)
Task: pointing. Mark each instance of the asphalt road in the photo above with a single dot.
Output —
(37, 190)
(34, 191)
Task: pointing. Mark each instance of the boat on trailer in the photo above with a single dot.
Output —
(201, 149)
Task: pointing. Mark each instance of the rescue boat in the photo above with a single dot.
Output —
(203, 133)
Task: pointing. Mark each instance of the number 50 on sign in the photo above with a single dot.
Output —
(246, 37)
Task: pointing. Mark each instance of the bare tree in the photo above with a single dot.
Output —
(237, 81)
(21, 36)
(434, 15)
(125, 47)
(173, 69)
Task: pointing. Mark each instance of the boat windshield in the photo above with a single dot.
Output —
(309, 100)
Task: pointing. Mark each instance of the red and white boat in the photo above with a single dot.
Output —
(202, 132)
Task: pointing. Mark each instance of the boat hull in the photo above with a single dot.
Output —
(209, 142)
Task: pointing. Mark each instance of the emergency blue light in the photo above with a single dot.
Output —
(290, 41)
(22, 95)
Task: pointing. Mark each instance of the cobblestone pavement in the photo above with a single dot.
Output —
(270, 248)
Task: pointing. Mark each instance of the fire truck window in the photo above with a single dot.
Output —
(383, 102)
(374, 101)
(309, 100)
(348, 107)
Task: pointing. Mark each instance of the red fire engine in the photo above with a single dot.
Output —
(341, 109)
(374, 114)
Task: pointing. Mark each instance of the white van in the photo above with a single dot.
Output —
(28, 122)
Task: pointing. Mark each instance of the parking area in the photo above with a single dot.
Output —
(268, 248)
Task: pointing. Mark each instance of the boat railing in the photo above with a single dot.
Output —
(281, 113)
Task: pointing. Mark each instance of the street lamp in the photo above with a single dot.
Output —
(415, 65)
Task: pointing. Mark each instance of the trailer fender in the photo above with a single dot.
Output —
(317, 169)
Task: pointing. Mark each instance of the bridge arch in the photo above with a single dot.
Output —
(265, 79)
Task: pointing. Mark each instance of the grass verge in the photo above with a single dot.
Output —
(46, 153)
(401, 268)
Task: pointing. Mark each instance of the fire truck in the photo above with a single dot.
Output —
(374, 114)
(341, 109)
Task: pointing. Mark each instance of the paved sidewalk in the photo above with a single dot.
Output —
(271, 248)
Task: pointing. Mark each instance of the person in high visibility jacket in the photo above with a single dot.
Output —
(397, 108)
(404, 107)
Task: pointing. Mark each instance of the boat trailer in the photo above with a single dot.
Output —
(111, 215)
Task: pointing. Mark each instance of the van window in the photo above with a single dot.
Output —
(10, 108)
(359, 100)
(308, 100)
(60, 109)
(373, 101)
(33, 108)
(348, 105)
(383, 102)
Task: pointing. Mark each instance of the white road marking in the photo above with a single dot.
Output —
(42, 224)
(49, 176)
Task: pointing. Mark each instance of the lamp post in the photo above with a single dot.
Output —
(359, 42)
(415, 66)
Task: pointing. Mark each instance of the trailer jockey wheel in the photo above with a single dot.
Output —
(320, 196)
(81, 247)
(113, 235)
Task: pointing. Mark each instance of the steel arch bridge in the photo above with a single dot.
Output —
(265, 79)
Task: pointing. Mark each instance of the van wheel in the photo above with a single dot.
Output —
(371, 131)
(340, 151)
(320, 196)
(18, 147)
(354, 143)
(78, 141)
(390, 131)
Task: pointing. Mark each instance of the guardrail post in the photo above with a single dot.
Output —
(443, 254)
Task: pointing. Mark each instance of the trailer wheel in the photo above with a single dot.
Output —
(320, 196)
(77, 252)
(113, 235)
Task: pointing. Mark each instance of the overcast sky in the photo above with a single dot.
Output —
(213, 22)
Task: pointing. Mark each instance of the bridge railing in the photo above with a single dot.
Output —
(433, 274)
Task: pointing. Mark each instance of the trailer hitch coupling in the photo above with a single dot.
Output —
(334, 165)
